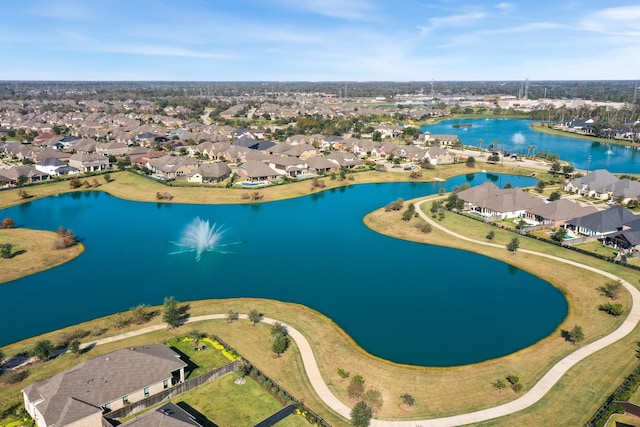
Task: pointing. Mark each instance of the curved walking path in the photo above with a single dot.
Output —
(526, 400)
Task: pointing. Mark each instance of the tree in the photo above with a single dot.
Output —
(540, 186)
(280, 344)
(559, 235)
(513, 245)
(576, 335)
(407, 399)
(74, 348)
(5, 250)
(554, 196)
(356, 387)
(343, 374)
(494, 158)
(278, 329)
(8, 223)
(555, 167)
(471, 162)
(567, 169)
(171, 312)
(254, 316)
(42, 350)
(22, 180)
(232, 315)
(107, 177)
(373, 398)
(361, 415)
(491, 235)
(614, 309)
(611, 289)
(500, 385)
(140, 314)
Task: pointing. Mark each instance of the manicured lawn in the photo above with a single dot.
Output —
(619, 420)
(293, 421)
(597, 248)
(33, 251)
(231, 405)
(199, 361)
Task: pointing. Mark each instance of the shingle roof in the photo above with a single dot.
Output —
(77, 392)
(489, 196)
(561, 210)
(607, 221)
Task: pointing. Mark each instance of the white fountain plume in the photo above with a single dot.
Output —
(518, 138)
(200, 236)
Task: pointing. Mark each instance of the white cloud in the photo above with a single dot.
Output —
(506, 7)
(357, 10)
(614, 21)
(452, 21)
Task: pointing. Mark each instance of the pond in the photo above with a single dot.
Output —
(402, 301)
(517, 136)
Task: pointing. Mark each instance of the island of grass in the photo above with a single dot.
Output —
(32, 252)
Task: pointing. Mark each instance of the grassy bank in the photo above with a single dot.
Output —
(132, 186)
(33, 252)
(544, 128)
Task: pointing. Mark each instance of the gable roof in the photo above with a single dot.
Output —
(81, 391)
(599, 180)
(607, 221)
(489, 196)
(561, 210)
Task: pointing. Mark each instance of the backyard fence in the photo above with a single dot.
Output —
(172, 392)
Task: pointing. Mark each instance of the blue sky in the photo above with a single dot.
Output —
(318, 40)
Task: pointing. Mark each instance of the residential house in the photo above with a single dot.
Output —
(626, 190)
(81, 395)
(602, 223)
(491, 201)
(288, 165)
(443, 139)
(598, 184)
(345, 160)
(439, 156)
(172, 167)
(89, 162)
(55, 167)
(319, 164)
(556, 213)
(210, 173)
(627, 239)
(256, 171)
(303, 151)
(112, 149)
(12, 175)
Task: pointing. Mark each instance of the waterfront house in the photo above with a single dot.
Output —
(602, 223)
(81, 395)
(257, 171)
(210, 173)
(491, 201)
(597, 184)
(89, 162)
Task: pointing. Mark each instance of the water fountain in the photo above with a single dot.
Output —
(200, 236)
(518, 138)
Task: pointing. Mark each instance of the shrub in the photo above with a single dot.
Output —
(15, 377)
(614, 309)
(424, 227)
(7, 223)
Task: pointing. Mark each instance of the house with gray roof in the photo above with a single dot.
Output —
(598, 184)
(81, 395)
(602, 223)
(626, 190)
(13, 174)
(89, 162)
(345, 160)
(559, 211)
(55, 167)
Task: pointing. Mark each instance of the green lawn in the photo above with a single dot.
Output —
(293, 421)
(200, 361)
(597, 248)
(231, 405)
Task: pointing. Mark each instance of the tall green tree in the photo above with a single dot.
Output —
(42, 350)
(513, 245)
(361, 415)
(254, 316)
(280, 344)
(576, 335)
(171, 312)
(5, 250)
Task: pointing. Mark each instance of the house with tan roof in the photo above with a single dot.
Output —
(172, 167)
(210, 173)
(89, 162)
(257, 171)
(81, 395)
(491, 201)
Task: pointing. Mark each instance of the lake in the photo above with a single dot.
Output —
(402, 301)
(517, 137)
